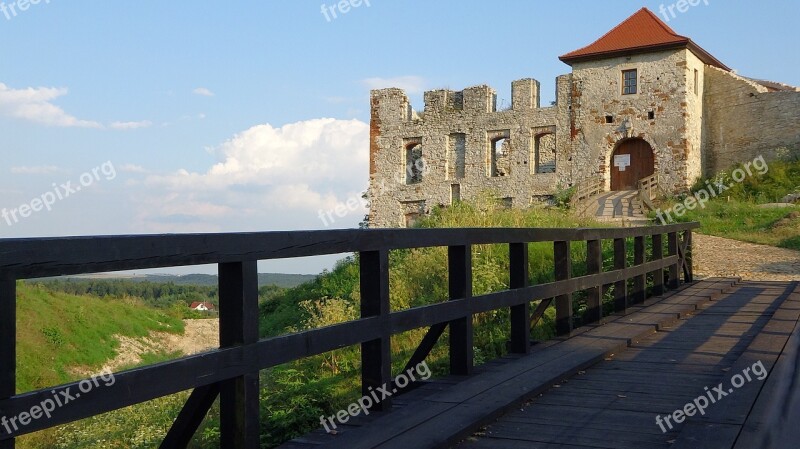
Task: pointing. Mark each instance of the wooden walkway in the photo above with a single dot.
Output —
(605, 385)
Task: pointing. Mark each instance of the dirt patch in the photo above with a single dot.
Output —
(199, 336)
(718, 256)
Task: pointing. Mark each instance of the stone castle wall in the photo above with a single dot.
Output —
(698, 120)
(468, 148)
(744, 120)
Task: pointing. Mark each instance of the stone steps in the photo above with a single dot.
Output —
(620, 206)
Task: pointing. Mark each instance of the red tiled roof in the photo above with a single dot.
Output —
(207, 305)
(639, 33)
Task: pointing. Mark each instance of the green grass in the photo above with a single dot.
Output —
(745, 221)
(737, 213)
(60, 335)
(58, 332)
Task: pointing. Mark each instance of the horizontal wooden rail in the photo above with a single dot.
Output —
(37, 258)
(232, 371)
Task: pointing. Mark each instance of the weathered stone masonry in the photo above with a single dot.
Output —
(692, 112)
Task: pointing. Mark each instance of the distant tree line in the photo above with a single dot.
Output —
(154, 294)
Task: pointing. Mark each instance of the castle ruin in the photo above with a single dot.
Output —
(640, 100)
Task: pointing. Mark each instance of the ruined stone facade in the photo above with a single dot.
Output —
(685, 106)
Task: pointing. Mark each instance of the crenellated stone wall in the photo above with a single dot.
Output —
(468, 148)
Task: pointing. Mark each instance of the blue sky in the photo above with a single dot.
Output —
(252, 115)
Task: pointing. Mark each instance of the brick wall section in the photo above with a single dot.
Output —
(744, 120)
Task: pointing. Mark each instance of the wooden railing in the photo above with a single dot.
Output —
(231, 372)
(588, 188)
(648, 190)
(585, 190)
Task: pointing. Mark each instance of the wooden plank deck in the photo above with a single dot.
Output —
(614, 403)
(615, 377)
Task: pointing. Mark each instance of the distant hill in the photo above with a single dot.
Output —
(282, 280)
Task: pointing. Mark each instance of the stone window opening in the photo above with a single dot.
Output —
(544, 156)
(696, 82)
(455, 193)
(630, 82)
(456, 156)
(415, 164)
(500, 157)
(609, 119)
(651, 115)
(412, 212)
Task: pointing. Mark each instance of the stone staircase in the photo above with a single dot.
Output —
(621, 206)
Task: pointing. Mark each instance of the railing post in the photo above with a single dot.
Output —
(672, 250)
(238, 325)
(8, 346)
(563, 267)
(620, 287)
(376, 355)
(594, 265)
(460, 282)
(688, 269)
(658, 254)
(639, 282)
(520, 314)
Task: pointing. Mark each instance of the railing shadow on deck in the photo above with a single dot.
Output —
(231, 372)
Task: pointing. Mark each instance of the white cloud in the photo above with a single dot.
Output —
(35, 104)
(36, 170)
(132, 168)
(203, 91)
(266, 178)
(410, 84)
(131, 125)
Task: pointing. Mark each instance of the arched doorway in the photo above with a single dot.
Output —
(632, 160)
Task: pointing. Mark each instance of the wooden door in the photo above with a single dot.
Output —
(631, 161)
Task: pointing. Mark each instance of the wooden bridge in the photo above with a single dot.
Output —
(625, 379)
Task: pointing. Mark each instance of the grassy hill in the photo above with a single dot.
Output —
(746, 211)
(58, 332)
(60, 336)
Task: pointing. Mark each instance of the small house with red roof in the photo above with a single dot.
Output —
(640, 100)
(202, 306)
